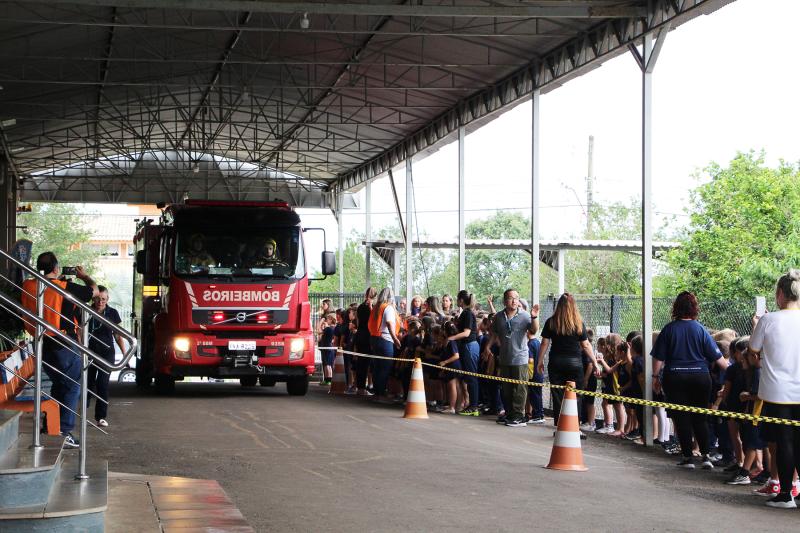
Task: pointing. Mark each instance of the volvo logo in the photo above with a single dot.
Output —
(241, 317)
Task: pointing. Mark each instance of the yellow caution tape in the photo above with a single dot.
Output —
(755, 418)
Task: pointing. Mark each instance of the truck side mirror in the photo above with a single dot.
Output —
(141, 262)
(328, 263)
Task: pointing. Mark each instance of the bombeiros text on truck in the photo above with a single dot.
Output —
(221, 290)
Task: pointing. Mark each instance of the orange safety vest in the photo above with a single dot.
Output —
(375, 318)
(52, 305)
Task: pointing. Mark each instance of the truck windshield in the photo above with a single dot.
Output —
(238, 252)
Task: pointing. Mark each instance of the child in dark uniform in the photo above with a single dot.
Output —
(326, 341)
(449, 358)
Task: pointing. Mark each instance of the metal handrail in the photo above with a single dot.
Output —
(88, 357)
(132, 341)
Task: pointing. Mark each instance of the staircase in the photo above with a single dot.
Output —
(43, 485)
(38, 489)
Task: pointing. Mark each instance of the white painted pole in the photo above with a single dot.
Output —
(340, 231)
(535, 155)
(368, 234)
(562, 265)
(462, 269)
(409, 233)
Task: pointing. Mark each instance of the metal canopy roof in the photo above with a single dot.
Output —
(548, 250)
(88, 84)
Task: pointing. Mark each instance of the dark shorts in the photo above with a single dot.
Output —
(328, 357)
(751, 436)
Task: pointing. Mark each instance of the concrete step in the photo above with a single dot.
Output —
(27, 474)
(9, 429)
(72, 505)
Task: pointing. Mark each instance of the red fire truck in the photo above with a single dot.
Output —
(221, 290)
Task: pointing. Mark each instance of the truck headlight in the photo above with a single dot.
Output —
(297, 345)
(182, 348)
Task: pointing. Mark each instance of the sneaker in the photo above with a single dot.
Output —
(70, 441)
(605, 430)
(588, 427)
(715, 457)
(518, 423)
(501, 419)
(446, 411)
(442, 408)
(733, 467)
(102, 423)
(536, 421)
(470, 411)
(687, 462)
(782, 501)
(739, 479)
(633, 435)
(675, 449)
(365, 392)
(351, 391)
(770, 488)
(705, 463)
(763, 477)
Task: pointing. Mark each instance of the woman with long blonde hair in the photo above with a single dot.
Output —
(564, 335)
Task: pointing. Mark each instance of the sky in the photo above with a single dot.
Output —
(722, 84)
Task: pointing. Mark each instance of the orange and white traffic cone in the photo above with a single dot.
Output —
(339, 381)
(566, 454)
(416, 406)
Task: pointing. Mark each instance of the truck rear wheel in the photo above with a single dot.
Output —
(265, 381)
(165, 385)
(297, 386)
(248, 381)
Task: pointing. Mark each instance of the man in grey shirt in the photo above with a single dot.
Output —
(514, 327)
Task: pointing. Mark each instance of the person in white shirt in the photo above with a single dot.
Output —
(775, 338)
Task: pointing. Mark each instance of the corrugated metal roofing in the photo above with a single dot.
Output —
(365, 85)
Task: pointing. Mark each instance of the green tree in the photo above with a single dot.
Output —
(743, 232)
(493, 271)
(598, 272)
(59, 228)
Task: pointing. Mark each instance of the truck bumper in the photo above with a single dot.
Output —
(278, 373)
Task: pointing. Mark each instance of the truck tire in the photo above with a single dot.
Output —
(143, 378)
(165, 385)
(265, 381)
(297, 386)
(248, 381)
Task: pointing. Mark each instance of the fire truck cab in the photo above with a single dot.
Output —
(221, 290)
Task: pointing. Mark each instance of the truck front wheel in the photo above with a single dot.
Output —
(248, 381)
(297, 386)
(165, 385)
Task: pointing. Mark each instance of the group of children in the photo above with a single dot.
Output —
(740, 447)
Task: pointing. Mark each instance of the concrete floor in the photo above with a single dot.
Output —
(342, 464)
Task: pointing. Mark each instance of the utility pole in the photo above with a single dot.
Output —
(589, 187)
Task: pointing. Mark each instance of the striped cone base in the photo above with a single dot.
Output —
(416, 406)
(567, 454)
(339, 381)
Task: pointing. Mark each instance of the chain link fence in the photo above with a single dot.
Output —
(623, 314)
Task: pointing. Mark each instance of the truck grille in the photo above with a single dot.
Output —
(240, 317)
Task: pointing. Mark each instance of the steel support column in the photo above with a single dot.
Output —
(647, 62)
(535, 156)
(340, 245)
(8, 207)
(396, 271)
(562, 265)
(368, 235)
(462, 269)
(409, 229)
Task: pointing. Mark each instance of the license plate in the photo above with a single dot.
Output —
(242, 345)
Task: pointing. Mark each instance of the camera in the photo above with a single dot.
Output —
(69, 271)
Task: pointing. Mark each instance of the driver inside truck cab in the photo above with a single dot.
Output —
(268, 255)
(196, 258)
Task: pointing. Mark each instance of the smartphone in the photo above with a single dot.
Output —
(761, 306)
(69, 271)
